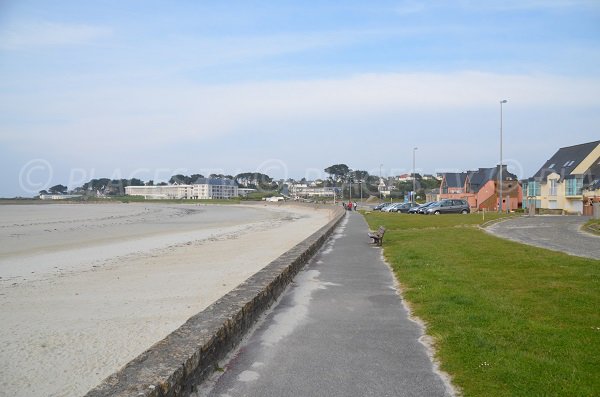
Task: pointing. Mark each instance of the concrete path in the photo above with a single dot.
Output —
(339, 330)
(558, 233)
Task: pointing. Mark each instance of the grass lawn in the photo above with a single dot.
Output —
(508, 319)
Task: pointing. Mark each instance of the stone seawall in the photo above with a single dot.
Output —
(177, 364)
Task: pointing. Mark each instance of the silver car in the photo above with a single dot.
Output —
(449, 206)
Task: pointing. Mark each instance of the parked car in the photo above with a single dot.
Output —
(415, 210)
(391, 207)
(405, 207)
(379, 207)
(449, 206)
(424, 207)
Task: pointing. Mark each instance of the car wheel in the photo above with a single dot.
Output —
(436, 213)
(464, 212)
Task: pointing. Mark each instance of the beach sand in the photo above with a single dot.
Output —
(84, 289)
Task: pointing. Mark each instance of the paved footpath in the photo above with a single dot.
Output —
(340, 329)
(554, 232)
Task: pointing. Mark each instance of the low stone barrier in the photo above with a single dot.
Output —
(176, 365)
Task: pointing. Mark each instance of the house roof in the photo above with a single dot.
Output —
(455, 179)
(480, 177)
(565, 160)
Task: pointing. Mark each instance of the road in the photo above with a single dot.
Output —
(558, 233)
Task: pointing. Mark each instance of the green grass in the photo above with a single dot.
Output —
(508, 319)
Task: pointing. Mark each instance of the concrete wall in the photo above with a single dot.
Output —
(177, 364)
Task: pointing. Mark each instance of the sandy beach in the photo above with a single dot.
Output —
(86, 288)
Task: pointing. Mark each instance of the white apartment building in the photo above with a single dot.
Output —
(303, 190)
(203, 189)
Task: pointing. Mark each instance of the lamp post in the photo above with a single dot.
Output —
(350, 180)
(380, 165)
(414, 175)
(361, 188)
(502, 102)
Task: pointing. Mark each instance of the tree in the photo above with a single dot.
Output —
(222, 176)
(58, 189)
(337, 172)
(96, 184)
(360, 175)
(180, 179)
(255, 180)
(194, 177)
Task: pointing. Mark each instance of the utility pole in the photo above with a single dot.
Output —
(500, 179)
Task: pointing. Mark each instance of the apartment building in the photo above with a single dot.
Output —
(202, 189)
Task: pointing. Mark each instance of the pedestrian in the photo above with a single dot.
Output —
(355, 206)
(344, 205)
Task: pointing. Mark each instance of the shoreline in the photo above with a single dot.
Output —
(80, 321)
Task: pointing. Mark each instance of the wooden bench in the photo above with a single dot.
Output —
(378, 235)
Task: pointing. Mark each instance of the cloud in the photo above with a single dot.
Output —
(156, 114)
(34, 35)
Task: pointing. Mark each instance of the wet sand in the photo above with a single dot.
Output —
(86, 288)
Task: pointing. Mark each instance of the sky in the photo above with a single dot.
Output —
(149, 89)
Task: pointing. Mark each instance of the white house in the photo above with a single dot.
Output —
(567, 180)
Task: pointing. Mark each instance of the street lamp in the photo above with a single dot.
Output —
(502, 102)
(413, 175)
(360, 181)
(350, 180)
(379, 186)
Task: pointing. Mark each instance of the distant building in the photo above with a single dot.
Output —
(244, 192)
(202, 189)
(481, 189)
(569, 181)
(383, 189)
(58, 196)
(430, 177)
(304, 190)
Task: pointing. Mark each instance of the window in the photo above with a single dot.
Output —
(533, 188)
(552, 165)
(574, 186)
(553, 187)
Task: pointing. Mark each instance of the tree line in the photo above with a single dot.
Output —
(347, 180)
(116, 187)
